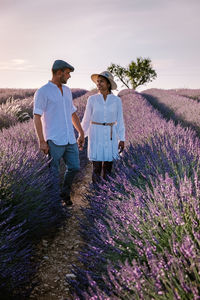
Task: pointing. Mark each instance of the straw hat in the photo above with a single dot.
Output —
(107, 75)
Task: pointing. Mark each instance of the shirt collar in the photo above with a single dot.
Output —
(53, 84)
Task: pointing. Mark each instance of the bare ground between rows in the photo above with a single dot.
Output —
(58, 254)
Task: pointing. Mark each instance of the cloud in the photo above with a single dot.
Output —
(15, 64)
(18, 61)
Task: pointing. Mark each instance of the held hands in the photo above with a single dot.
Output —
(81, 141)
(121, 146)
(44, 147)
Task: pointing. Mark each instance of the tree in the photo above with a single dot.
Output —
(136, 74)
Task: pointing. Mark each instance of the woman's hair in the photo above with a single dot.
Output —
(109, 84)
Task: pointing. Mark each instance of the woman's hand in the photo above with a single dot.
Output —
(121, 146)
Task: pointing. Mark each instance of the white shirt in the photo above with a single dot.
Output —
(56, 111)
(100, 145)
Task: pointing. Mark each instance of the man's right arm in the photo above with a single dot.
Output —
(38, 128)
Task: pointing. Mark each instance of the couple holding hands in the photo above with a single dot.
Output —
(54, 118)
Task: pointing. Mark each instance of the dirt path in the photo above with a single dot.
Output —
(58, 255)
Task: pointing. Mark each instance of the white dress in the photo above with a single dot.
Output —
(100, 145)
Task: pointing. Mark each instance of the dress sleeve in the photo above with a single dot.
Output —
(85, 123)
(120, 122)
(40, 102)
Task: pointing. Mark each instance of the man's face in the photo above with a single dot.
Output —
(65, 75)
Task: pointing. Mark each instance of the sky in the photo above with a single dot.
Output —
(92, 34)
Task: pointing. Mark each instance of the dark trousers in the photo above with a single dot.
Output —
(98, 166)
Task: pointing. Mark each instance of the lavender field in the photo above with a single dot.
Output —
(141, 227)
(180, 105)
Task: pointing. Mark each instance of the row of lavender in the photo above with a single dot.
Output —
(17, 94)
(142, 227)
(17, 105)
(29, 205)
(190, 93)
(180, 105)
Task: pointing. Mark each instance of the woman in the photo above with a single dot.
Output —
(104, 125)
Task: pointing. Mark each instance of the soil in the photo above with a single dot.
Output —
(58, 254)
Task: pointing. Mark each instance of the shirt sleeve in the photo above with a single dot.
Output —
(120, 122)
(40, 103)
(87, 117)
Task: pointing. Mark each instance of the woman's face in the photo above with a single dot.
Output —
(102, 84)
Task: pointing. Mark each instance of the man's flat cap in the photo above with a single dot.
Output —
(61, 64)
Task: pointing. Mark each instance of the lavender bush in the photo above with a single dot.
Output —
(175, 106)
(6, 94)
(13, 111)
(78, 92)
(30, 205)
(16, 267)
(142, 227)
(189, 93)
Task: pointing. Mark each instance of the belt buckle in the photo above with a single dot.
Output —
(103, 124)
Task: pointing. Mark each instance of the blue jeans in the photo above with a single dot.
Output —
(70, 155)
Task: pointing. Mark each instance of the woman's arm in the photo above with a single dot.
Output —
(87, 117)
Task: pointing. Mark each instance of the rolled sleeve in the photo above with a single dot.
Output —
(37, 111)
(39, 103)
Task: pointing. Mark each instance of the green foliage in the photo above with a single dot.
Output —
(136, 74)
(121, 73)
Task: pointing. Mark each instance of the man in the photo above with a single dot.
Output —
(54, 117)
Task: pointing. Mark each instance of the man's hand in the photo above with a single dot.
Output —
(121, 146)
(44, 147)
(81, 141)
(77, 125)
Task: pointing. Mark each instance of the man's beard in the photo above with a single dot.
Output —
(63, 80)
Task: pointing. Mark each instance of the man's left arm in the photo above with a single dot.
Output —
(77, 125)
